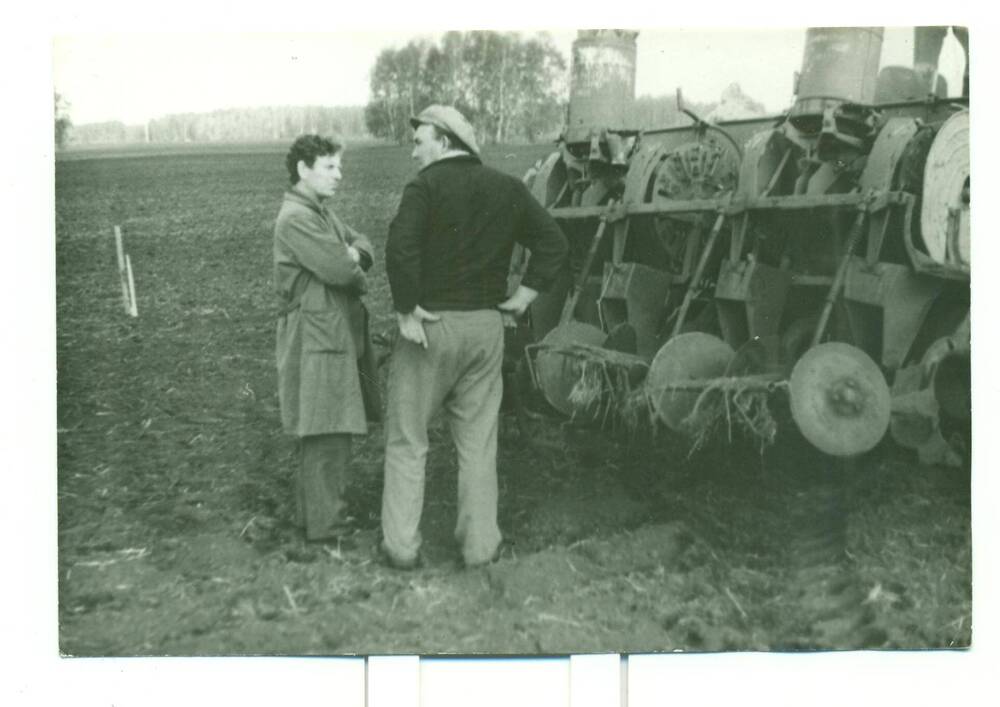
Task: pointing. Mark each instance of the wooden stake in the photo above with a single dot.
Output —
(122, 272)
(133, 308)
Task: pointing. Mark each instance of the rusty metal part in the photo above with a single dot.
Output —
(839, 399)
(690, 358)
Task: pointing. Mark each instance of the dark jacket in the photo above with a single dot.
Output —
(451, 241)
(326, 368)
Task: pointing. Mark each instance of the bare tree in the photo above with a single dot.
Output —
(510, 88)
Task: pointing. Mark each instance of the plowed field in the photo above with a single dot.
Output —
(175, 480)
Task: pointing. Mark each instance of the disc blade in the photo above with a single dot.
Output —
(686, 357)
(946, 179)
(839, 399)
(557, 372)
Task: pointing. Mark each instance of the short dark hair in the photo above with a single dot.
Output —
(307, 148)
(453, 140)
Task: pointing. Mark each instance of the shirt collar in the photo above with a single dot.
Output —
(464, 157)
(299, 197)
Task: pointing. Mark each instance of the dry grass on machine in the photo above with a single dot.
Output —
(610, 391)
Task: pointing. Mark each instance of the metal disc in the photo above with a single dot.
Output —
(946, 178)
(686, 357)
(557, 372)
(839, 399)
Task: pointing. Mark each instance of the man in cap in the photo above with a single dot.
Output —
(448, 257)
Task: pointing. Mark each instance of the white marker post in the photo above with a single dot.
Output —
(133, 308)
(122, 270)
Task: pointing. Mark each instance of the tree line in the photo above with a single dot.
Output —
(279, 123)
(511, 88)
(287, 123)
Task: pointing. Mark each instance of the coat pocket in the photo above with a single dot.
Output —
(325, 332)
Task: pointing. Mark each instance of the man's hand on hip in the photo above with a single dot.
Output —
(517, 303)
(411, 326)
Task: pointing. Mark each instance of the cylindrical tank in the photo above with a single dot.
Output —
(840, 65)
(602, 86)
(927, 43)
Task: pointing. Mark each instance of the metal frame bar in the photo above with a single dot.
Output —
(824, 201)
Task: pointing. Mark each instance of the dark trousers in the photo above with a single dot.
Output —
(320, 484)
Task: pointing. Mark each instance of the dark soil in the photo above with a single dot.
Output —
(174, 479)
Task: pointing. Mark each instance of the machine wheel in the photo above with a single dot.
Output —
(839, 399)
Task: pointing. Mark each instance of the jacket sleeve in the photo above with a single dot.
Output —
(404, 247)
(541, 235)
(319, 252)
(360, 242)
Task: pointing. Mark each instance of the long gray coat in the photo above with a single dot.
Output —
(322, 328)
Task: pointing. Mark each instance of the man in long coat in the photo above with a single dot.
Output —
(325, 363)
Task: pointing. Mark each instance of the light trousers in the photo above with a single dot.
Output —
(460, 374)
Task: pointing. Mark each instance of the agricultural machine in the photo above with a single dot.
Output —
(719, 269)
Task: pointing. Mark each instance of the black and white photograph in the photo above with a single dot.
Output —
(413, 355)
(534, 343)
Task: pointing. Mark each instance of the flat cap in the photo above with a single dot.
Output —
(450, 120)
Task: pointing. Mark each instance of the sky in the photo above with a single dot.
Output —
(133, 77)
